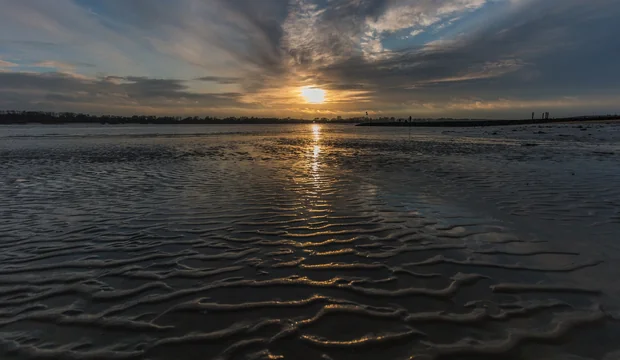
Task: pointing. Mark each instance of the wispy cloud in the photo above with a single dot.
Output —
(220, 79)
(7, 64)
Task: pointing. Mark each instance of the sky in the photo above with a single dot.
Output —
(420, 58)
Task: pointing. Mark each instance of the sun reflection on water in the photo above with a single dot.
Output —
(315, 160)
(316, 131)
(313, 174)
(316, 152)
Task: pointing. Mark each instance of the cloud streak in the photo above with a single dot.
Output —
(129, 94)
(6, 64)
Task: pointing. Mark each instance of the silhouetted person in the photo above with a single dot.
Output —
(532, 115)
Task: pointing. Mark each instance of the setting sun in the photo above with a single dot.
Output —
(313, 95)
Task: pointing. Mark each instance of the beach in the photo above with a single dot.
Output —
(309, 241)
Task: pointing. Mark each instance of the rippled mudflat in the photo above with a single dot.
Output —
(309, 242)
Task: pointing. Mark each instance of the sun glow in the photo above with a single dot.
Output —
(313, 95)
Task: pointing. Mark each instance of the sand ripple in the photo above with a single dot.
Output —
(309, 245)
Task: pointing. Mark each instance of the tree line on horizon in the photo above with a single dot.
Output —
(44, 117)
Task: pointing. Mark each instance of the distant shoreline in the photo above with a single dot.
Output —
(474, 123)
(49, 118)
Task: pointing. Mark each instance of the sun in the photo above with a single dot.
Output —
(313, 95)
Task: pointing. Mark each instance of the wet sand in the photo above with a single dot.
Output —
(309, 242)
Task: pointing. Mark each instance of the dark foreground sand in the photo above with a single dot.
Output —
(309, 242)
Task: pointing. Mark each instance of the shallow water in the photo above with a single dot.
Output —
(309, 242)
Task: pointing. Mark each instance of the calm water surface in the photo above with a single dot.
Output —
(309, 242)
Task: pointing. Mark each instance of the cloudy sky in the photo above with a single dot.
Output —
(421, 58)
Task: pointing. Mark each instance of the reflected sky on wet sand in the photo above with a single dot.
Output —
(308, 241)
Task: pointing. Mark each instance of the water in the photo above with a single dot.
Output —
(309, 242)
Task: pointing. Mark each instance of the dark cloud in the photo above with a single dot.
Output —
(260, 24)
(26, 89)
(494, 59)
(220, 79)
(29, 43)
(344, 86)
